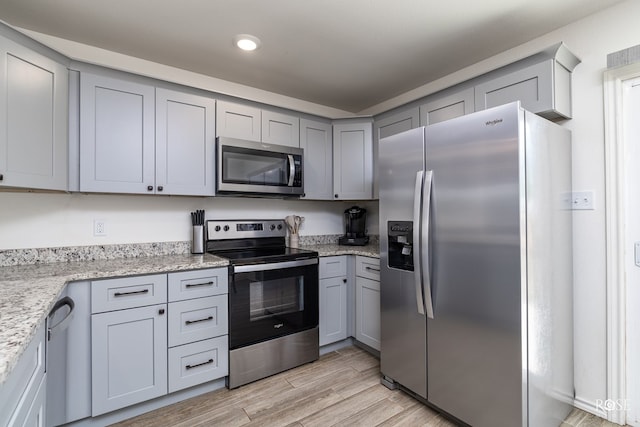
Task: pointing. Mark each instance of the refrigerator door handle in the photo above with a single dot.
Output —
(417, 258)
(424, 243)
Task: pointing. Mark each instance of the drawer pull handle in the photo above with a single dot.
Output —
(371, 268)
(194, 285)
(124, 294)
(208, 362)
(188, 322)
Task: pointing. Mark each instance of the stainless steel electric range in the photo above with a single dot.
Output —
(273, 298)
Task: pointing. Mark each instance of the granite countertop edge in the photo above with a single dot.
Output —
(28, 292)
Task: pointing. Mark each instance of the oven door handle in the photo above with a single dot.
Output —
(274, 266)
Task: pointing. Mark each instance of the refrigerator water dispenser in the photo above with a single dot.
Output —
(400, 244)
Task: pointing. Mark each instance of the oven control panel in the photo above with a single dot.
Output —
(229, 229)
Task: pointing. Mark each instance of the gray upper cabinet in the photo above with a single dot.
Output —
(253, 124)
(387, 126)
(238, 121)
(353, 161)
(135, 138)
(281, 129)
(316, 141)
(33, 119)
(185, 143)
(117, 135)
(542, 87)
(438, 109)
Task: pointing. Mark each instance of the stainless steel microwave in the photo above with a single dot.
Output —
(256, 168)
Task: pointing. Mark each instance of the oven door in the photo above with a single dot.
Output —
(272, 300)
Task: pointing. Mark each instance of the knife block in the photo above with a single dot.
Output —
(197, 239)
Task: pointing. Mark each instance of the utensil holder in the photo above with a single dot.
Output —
(293, 240)
(197, 239)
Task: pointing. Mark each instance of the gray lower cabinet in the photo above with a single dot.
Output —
(128, 357)
(353, 160)
(135, 138)
(156, 334)
(33, 118)
(333, 299)
(198, 327)
(368, 301)
(449, 106)
(23, 394)
(317, 142)
(128, 341)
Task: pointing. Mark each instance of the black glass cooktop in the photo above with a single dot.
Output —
(264, 255)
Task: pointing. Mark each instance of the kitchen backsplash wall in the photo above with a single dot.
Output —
(63, 221)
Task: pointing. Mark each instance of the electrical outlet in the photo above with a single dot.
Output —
(582, 200)
(99, 227)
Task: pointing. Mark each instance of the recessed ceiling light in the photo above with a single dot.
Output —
(246, 42)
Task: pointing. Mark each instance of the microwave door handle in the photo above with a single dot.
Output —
(292, 170)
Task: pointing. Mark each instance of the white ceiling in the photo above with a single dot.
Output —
(346, 54)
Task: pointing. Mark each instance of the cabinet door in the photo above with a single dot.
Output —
(128, 357)
(333, 310)
(368, 312)
(316, 141)
(33, 119)
(532, 86)
(238, 121)
(280, 129)
(387, 126)
(21, 392)
(352, 161)
(36, 416)
(117, 135)
(448, 107)
(185, 141)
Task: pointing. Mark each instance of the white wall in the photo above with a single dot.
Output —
(39, 220)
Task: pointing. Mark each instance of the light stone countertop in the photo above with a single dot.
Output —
(28, 292)
(370, 250)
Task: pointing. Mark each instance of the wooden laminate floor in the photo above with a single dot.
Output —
(341, 389)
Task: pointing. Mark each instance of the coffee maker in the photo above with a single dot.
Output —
(355, 220)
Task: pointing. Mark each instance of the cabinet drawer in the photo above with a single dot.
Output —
(332, 266)
(21, 387)
(128, 292)
(368, 267)
(198, 363)
(196, 284)
(198, 319)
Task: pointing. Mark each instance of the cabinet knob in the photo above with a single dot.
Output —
(344, 280)
(1, 177)
(161, 311)
(335, 195)
(160, 187)
(149, 187)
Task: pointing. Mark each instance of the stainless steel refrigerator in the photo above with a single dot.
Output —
(476, 267)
